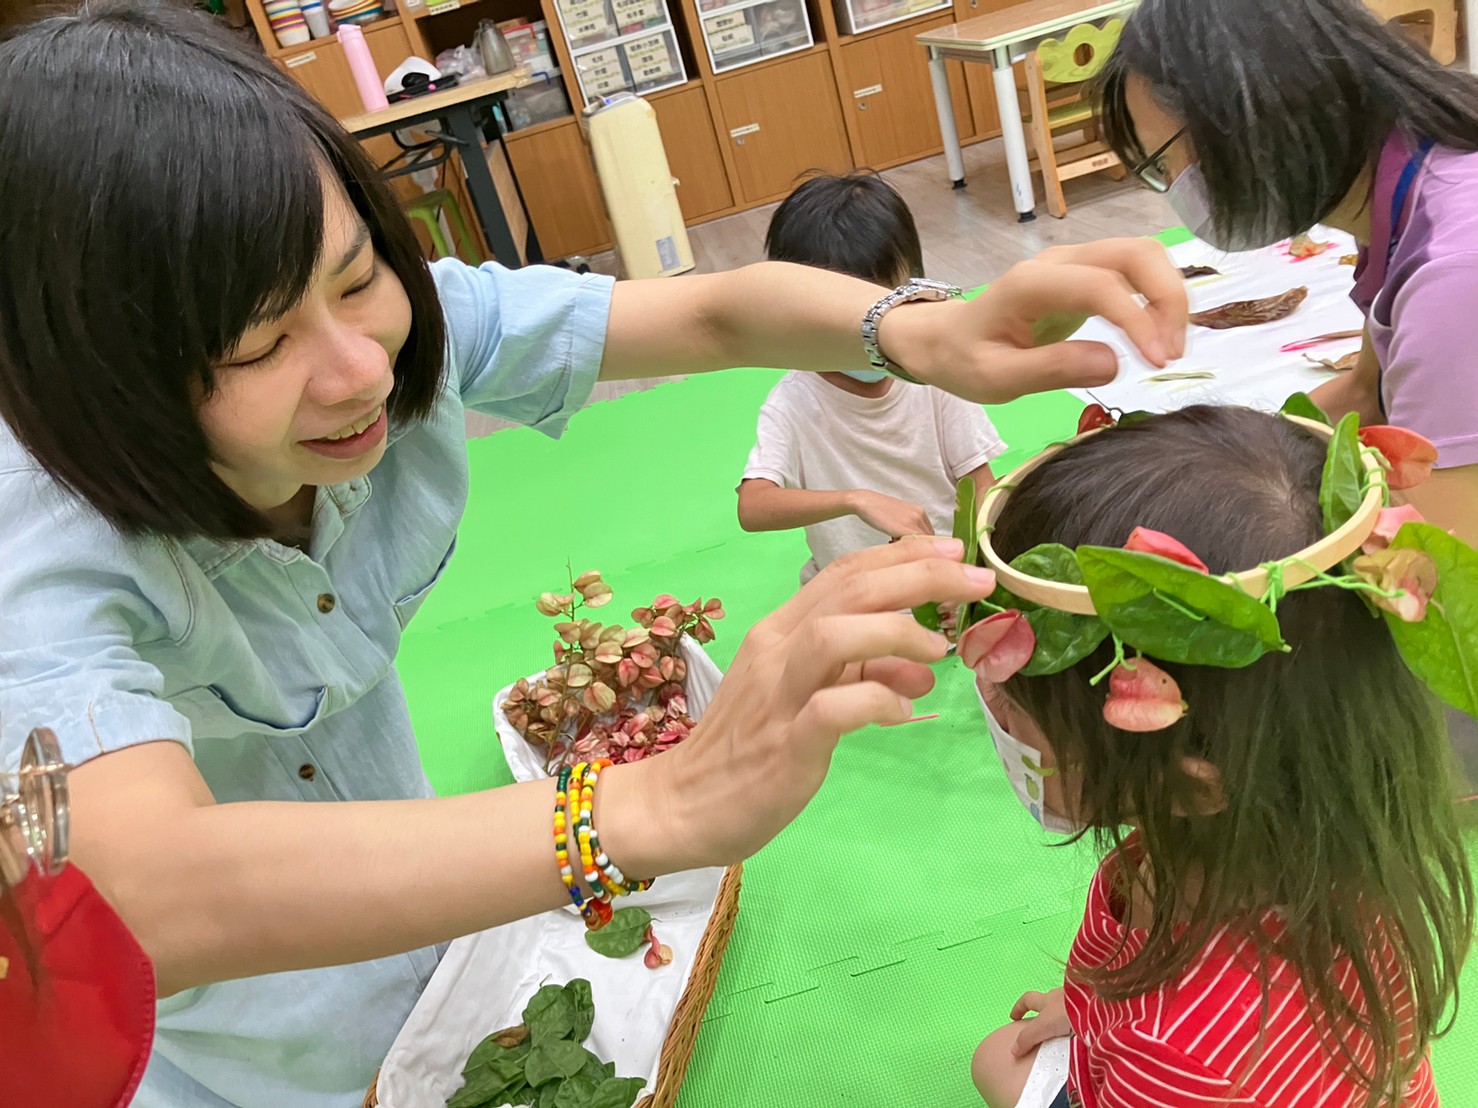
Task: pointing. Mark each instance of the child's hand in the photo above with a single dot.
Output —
(1050, 1021)
(895, 518)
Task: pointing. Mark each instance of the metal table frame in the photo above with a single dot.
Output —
(457, 111)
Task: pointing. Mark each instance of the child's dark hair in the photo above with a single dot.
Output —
(1333, 758)
(855, 224)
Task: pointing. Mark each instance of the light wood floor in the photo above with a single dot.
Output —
(970, 235)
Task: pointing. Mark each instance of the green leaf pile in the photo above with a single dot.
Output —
(542, 1061)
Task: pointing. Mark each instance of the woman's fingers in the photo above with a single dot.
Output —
(829, 644)
(1037, 288)
(908, 679)
(908, 585)
(841, 709)
(1146, 266)
(843, 574)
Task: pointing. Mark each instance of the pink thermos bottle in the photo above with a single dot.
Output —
(362, 65)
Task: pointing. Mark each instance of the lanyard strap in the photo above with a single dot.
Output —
(1403, 193)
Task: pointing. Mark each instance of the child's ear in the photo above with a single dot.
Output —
(1205, 780)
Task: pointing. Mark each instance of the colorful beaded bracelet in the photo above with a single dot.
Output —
(594, 911)
(615, 880)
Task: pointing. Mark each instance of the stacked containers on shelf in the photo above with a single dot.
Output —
(740, 32)
(621, 45)
(856, 16)
(287, 22)
(316, 18)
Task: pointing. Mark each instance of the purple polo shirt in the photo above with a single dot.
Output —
(1423, 306)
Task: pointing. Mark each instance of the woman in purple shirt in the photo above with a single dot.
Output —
(1262, 118)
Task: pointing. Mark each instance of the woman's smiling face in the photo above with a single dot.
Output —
(300, 398)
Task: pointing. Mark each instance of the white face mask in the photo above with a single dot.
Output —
(866, 376)
(1023, 768)
(1191, 200)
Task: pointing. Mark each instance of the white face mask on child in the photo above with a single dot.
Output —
(866, 376)
(1023, 768)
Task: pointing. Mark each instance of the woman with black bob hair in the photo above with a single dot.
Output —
(233, 464)
(1262, 118)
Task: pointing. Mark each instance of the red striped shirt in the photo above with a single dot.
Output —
(1200, 1041)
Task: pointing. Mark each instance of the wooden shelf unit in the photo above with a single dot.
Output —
(735, 140)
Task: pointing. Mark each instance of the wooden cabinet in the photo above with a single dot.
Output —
(321, 69)
(886, 86)
(781, 120)
(693, 153)
(560, 189)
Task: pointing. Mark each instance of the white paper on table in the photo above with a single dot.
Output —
(485, 980)
(1250, 370)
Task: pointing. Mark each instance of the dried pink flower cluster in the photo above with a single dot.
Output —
(613, 692)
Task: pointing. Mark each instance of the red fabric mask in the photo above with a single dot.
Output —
(80, 1036)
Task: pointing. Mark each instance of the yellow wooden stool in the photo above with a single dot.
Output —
(1060, 102)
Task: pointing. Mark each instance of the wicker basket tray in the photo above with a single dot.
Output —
(682, 1033)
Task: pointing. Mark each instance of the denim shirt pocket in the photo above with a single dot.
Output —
(407, 606)
(213, 712)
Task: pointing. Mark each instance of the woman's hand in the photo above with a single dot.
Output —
(1050, 1022)
(837, 657)
(1007, 342)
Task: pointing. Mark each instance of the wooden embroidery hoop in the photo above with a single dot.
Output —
(1299, 568)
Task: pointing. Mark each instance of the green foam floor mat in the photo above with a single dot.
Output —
(870, 956)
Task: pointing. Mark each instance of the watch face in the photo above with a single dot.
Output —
(925, 289)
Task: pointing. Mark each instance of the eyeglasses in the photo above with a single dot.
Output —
(35, 819)
(1153, 170)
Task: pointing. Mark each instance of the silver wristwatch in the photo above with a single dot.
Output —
(917, 289)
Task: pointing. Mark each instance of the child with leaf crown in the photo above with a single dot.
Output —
(1234, 684)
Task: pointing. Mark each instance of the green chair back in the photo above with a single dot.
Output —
(1080, 56)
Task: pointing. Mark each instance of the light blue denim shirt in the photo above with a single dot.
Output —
(227, 649)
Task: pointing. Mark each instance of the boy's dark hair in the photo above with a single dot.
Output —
(162, 188)
(1286, 102)
(856, 224)
(1333, 758)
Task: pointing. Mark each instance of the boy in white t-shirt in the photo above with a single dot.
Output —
(858, 458)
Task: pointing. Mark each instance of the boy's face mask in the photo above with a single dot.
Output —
(866, 376)
(1023, 768)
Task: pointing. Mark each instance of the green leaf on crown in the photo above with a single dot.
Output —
(1343, 485)
(1442, 650)
(1302, 405)
(965, 531)
(1063, 638)
(1175, 613)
